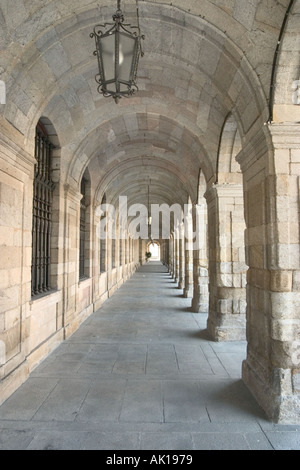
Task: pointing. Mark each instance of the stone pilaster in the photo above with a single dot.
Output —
(171, 256)
(176, 255)
(71, 252)
(189, 255)
(227, 268)
(181, 280)
(201, 280)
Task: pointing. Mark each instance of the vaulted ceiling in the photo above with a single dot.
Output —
(203, 60)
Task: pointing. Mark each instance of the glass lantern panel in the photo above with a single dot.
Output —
(127, 52)
(108, 56)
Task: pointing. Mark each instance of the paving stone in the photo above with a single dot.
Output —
(64, 402)
(95, 369)
(166, 441)
(142, 402)
(58, 440)
(58, 368)
(258, 441)
(15, 439)
(284, 440)
(25, 402)
(129, 367)
(220, 441)
(103, 401)
(112, 441)
(195, 369)
(182, 403)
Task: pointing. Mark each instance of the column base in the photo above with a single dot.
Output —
(281, 408)
(227, 328)
(188, 292)
(200, 306)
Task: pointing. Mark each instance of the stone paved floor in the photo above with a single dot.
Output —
(141, 374)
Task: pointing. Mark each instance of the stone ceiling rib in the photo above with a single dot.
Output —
(125, 176)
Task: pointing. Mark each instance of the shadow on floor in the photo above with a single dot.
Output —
(201, 334)
(234, 399)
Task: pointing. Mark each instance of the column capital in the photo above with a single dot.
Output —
(72, 193)
(223, 190)
(256, 146)
(285, 135)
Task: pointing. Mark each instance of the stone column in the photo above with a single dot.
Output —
(176, 255)
(189, 254)
(272, 368)
(122, 256)
(142, 251)
(96, 251)
(181, 259)
(165, 252)
(227, 268)
(171, 255)
(201, 280)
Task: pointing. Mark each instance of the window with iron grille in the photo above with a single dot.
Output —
(41, 219)
(103, 243)
(113, 253)
(82, 273)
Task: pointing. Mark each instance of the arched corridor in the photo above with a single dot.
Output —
(203, 159)
(140, 373)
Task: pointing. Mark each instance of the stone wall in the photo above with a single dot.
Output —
(30, 328)
(15, 249)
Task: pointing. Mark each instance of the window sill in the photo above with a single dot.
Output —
(43, 296)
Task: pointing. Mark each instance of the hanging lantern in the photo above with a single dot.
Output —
(118, 48)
